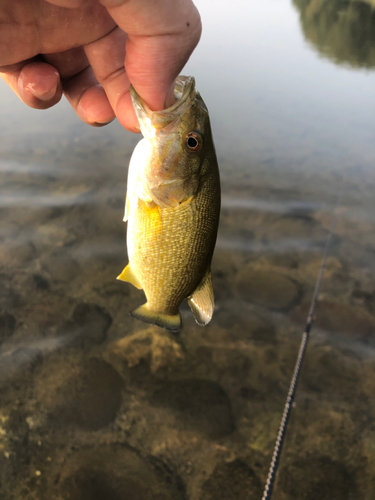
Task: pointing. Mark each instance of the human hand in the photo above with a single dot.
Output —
(92, 50)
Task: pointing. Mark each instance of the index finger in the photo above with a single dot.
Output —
(161, 37)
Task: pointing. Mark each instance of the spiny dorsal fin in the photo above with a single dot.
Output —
(201, 301)
(128, 275)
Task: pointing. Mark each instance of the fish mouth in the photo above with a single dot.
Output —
(184, 92)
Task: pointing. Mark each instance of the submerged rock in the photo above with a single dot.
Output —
(268, 288)
(91, 400)
(16, 256)
(18, 363)
(340, 318)
(318, 477)
(153, 345)
(116, 473)
(87, 326)
(201, 404)
(61, 266)
(230, 481)
(7, 325)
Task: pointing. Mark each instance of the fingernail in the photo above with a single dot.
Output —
(42, 96)
(89, 114)
(102, 124)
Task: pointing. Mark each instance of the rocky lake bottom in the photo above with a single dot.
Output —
(96, 405)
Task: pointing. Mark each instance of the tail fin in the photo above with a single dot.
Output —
(167, 321)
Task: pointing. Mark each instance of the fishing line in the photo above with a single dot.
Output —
(293, 384)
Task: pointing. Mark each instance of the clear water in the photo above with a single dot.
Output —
(96, 405)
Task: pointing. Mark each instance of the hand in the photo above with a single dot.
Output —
(91, 50)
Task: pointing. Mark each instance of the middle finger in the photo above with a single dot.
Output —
(81, 87)
(107, 59)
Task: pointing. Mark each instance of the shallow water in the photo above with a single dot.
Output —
(96, 405)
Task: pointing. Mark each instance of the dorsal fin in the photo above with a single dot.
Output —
(201, 301)
(128, 275)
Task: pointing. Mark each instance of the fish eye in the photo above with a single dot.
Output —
(193, 141)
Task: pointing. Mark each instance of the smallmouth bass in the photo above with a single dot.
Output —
(172, 209)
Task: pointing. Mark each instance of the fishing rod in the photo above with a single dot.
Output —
(297, 368)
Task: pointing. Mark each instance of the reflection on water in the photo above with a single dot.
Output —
(343, 30)
(97, 405)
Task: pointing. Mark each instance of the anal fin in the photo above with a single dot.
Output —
(128, 275)
(201, 301)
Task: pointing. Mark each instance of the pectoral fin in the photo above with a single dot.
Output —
(167, 321)
(201, 301)
(128, 275)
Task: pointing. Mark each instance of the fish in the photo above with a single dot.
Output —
(172, 209)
